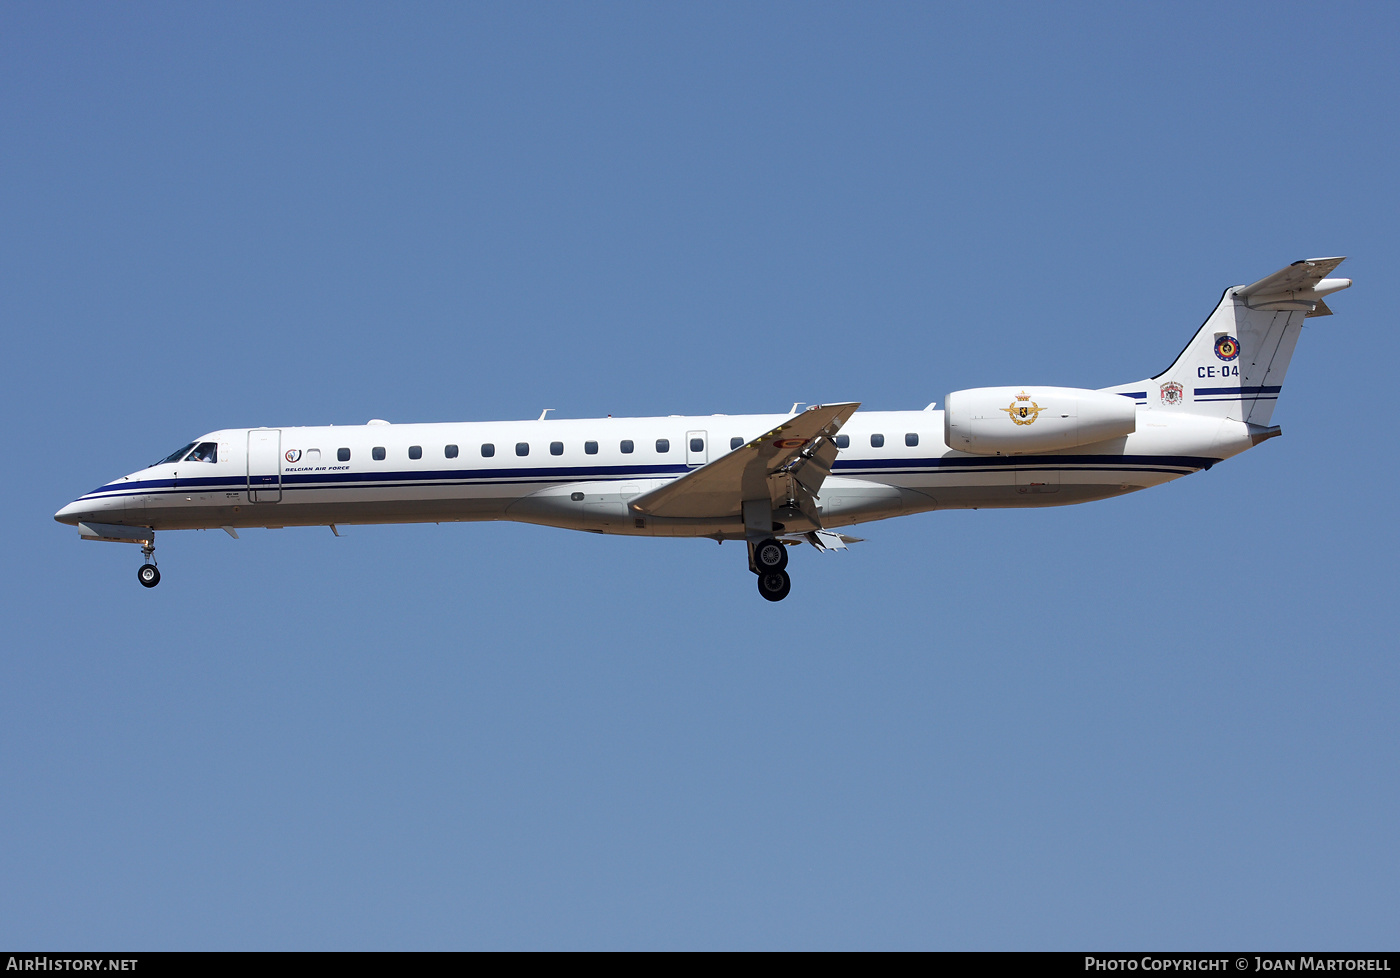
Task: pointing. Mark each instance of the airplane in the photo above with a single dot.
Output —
(771, 481)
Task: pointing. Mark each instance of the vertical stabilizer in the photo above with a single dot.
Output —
(1234, 365)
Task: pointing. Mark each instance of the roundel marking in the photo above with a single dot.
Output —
(1227, 348)
(293, 454)
(789, 442)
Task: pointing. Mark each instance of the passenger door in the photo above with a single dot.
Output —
(265, 465)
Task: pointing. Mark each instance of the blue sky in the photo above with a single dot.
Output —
(1161, 721)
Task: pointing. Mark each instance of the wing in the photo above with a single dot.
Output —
(786, 464)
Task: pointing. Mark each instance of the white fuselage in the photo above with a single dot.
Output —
(771, 480)
(578, 474)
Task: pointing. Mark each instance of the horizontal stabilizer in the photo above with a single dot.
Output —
(1299, 275)
(1297, 288)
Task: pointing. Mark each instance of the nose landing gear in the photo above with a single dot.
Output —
(148, 573)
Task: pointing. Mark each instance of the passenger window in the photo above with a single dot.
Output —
(415, 451)
(487, 450)
(450, 451)
(697, 444)
(663, 445)
(590, 448)
(378, 454)
(626, 447)
(877, 441)
(313, 455)
(522, 448)
(843, 441)
(556, 448)
(343, 454)
(735, 442)
(911, 439)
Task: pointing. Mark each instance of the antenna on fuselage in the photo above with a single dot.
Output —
(544, 412)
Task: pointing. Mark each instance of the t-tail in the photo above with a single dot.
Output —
(1235, 364)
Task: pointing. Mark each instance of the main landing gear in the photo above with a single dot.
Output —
(769, 562)
(148, 573)
(774, 585)
(769, 555)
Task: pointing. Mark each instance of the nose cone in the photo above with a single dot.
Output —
(105, 504)
(74, 512)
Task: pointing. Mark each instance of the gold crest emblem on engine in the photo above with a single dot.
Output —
(1023, 410)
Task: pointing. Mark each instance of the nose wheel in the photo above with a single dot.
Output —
(148, 573)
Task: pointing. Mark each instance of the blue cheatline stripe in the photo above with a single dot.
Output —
(1171, 464)
(399, 478)
(1042, 467)
(1237, 390)
(1217, 395)
(964, 462)
(1136, 395)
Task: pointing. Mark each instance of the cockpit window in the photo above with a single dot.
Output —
(176, 456)
(208, 451)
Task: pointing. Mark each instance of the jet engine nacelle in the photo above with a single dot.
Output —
(1015, 420)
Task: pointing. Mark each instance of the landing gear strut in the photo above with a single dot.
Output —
(767, 557)
(148, 573)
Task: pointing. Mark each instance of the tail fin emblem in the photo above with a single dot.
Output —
(1023, 410)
